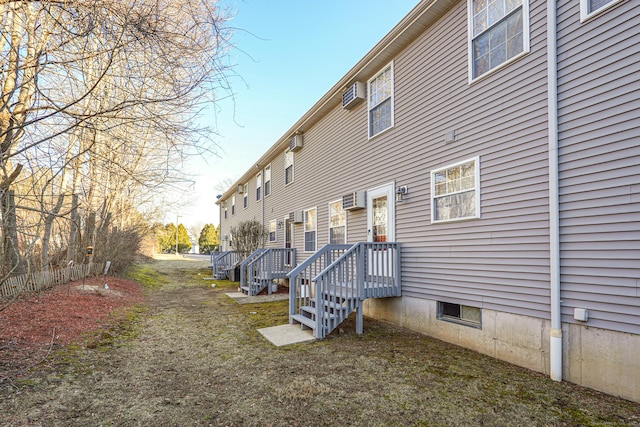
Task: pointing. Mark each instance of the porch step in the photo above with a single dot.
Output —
(329, 305)
(312, 312)
(303, 320)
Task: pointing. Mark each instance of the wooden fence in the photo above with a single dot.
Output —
(34, 282)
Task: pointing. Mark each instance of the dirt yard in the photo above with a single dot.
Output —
(188, 355)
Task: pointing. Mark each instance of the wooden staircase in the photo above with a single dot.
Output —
(260, 269)
(324, 300)
(223, 263)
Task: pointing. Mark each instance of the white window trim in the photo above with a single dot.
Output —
(233, 205)
(526, 42)
(329, 222)
(259, 186)
(393, 100)
(293, 167)
(285, 223)
(304, 232)
(585, 15)
(264, 181)
(245, 196)
(275, 233)
(477, 190)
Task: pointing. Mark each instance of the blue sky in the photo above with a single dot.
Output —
(288, 54)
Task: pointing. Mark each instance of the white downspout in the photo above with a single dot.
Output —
(555, 342)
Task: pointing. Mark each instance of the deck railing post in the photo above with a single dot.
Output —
(397, 272)
(269, 269)
(361, 253)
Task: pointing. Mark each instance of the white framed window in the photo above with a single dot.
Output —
(455, 191)
(267, 180)
(273, 227)
(258, 185)
(380, 101)
(498, 33)
(288, 167)
(233, 204)
(225, 213)
(310, 228)
(337, 223)
(245, 195)
(589, 8)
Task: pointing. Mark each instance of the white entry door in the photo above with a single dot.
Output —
(288, 238)
(381, 212)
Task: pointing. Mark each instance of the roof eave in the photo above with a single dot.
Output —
(406, 31)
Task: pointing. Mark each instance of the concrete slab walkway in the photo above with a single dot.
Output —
(286, 335)
(241, 298)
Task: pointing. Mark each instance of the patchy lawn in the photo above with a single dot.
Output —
(193, 357)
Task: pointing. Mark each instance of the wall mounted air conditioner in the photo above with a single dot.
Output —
(295, 143)
(296, 217)
(240, 189)
(353, 95)
(355, 200)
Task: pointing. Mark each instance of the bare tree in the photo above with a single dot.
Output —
(98, 105)
(248, 236)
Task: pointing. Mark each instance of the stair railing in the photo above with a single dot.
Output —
(216, 262)
(367, 270)
(269, 264)
(245, 265)
(225, 262)
(301, 277)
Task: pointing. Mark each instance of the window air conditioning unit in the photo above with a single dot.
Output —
(296, 217)
(240, 189)
(355, 200)
(295, 144)
(353, 95)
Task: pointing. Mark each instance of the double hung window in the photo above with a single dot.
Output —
(245, 196)
(273, 225)
(380, 101)
(258, 185)
(267, 180)
(337, 223)
(310, 227)
(233, 204)
(499, 32)
(455, 191)
(288, 167)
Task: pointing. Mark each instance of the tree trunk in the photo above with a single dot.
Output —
(12, 261)
(73, 238)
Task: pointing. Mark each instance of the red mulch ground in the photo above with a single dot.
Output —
(35, 324)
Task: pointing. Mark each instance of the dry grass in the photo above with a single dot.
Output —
(197, 359)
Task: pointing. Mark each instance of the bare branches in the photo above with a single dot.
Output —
(98, 102)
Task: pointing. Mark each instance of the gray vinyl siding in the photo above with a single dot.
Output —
(499, 261)
(599, 160)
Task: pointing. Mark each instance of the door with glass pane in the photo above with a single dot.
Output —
(288, 238)
(380, 227)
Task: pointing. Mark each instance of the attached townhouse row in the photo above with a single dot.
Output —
(498, 143)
